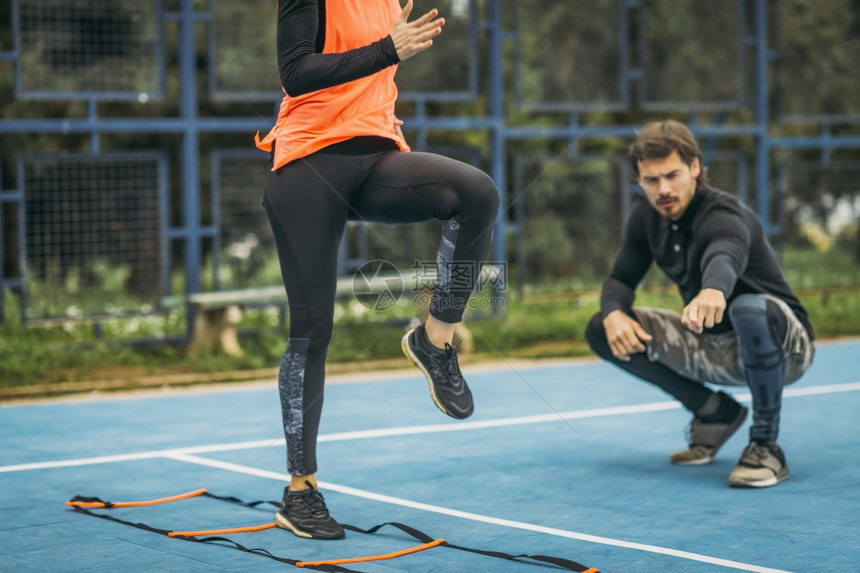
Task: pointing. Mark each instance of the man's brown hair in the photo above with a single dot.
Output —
(658, 139)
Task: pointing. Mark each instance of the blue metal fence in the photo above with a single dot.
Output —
(552, 85)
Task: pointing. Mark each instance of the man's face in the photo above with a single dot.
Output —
(669, 184)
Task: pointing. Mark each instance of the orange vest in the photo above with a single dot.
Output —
(310, 122)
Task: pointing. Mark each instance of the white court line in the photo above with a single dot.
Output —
(790, 392)
(825, 389)
(409, 430)
(499, 422)
(573, 415)
(141, 455)
(357, 435)
(281, 477)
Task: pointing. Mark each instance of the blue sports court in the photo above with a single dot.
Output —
(566, 459)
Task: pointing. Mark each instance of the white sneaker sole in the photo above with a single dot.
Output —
(769, 482)
(284, 523)
(698, 462)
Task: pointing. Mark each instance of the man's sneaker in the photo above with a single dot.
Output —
(305, 514)
(761, 465)
(706, 439)
(447, 386)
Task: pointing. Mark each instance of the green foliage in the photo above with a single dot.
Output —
(691, 51)
(245, 58)
(65, 293)
(571, 201)
(819, 44)
(541, 325)
(445, 68)
(548, 249)
(34, 355)
(571, 217)
(104, 48)
(811, 269)
(590, 45)
(833, 313)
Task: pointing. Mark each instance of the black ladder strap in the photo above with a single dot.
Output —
(423, 537)
(222, 541)
(560, 562)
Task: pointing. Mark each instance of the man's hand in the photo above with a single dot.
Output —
(705, 310)
(397, 129)
(624, 335)
(416, 36)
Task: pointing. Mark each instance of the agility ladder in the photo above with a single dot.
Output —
(90, 505)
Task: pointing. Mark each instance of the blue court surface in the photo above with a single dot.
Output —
(566, 459)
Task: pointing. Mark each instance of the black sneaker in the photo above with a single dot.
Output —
(447, 386)
(305, 514)
(761, 465)
(706, 438)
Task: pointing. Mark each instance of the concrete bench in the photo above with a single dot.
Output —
(218, 313)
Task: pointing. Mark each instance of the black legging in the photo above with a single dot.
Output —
(691, 394)
(760, 325)
(308, 203)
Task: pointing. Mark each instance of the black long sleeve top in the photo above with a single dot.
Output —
(717, 243)
(301, 39)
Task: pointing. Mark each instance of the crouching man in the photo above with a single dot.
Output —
(741, 324)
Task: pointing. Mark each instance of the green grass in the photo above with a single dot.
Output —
(539, 326)
(811, 269)
(546, 322)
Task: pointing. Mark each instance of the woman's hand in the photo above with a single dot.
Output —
(416, 36)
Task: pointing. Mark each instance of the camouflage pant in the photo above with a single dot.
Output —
(716, 358)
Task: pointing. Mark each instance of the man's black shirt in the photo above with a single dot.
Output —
(718, 243)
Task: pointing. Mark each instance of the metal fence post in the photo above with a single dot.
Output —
(762, 120)
(191, 151)
(498, 136)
